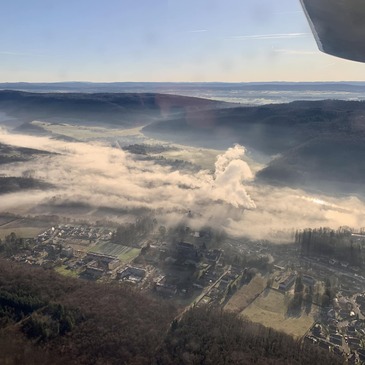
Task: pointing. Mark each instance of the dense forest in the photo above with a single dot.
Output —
(338, 244)
(210, 336)
(49, 319)
(83, 322)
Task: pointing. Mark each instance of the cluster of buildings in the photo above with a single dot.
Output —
(181, 268)
(342, 330)
(98, 264)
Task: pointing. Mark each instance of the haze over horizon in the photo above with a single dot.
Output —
(165, 41)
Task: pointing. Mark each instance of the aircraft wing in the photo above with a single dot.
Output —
(338, 26)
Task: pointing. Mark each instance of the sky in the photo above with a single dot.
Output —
(163, 40)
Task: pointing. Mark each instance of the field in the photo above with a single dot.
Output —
(124, 253)
(82, 132)
(269, 309)
(245, 295)
(63, 271)
(24, 228)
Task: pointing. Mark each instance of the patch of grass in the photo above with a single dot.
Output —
(245, 295)
(129, 255)
(63, 271)
(270, 310)
(22, 232)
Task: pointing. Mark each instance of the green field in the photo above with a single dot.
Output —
(63, 271)
(124, 253)
(24, 228)
(22, 232)
(269, 309)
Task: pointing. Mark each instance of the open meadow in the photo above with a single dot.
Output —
(270, 310)
(24, 228)
(125, 254)
(246, 294)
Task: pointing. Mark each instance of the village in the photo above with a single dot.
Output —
(317, 299)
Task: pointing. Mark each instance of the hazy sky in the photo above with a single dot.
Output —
(162, 40)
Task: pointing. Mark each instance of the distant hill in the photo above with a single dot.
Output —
(312, 141)
(9, 154)
(166, 87)
(328, 163)
(121, 109)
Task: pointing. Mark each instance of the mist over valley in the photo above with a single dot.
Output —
(238, 167)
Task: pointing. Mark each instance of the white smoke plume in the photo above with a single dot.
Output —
(230, 172)
(100, 175)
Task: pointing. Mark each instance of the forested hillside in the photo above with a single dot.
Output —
(49, 319)
(316, 144)
(122, 109)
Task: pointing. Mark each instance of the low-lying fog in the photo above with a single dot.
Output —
(102, 176)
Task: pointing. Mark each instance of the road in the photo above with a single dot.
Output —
(203, 294)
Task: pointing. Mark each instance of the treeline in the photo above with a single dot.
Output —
(149, 153)
(50, 319)
(338, 244)
(145, 149)
(130, 234)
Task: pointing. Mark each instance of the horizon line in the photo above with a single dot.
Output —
(181, 82)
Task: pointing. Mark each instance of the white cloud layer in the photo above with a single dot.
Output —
(101, 176)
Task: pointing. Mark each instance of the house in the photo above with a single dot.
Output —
(101, 258)
(324, 345)
(287, 283)
(338, 351)
(336, 339)
(353, 342)
(311, 339)
(213, 256)
(361, 353)
(67, 252)
(112, 265)
(164, 288)
(228, 278)
(186, 249)
(132, 274)
(93, 270)
(308, 280)
(317, 330)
